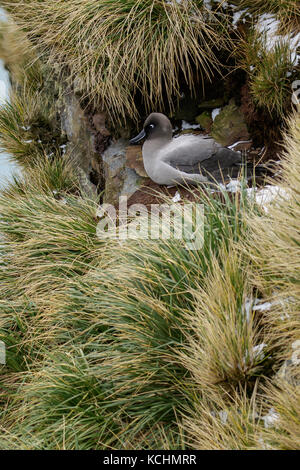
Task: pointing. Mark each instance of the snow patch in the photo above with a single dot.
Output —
(270, 419)
(223, 416)
(258, 351)
(263, 307)
(207, 4)
(215, 113)
(268, 25)
(247, 308)
(177, 197)
(259, 305)
(256, 354)
(233, 186)
(186, 125)
(263, 197)
(238, 15)
(64, 148)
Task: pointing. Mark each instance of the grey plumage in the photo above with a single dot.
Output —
(183, 159)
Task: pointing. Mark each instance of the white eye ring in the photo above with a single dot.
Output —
(151, 126)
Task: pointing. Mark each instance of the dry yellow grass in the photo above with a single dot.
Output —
(244, 362)
(114, 51)
(287, 11)
(221, 348)
(148, 343)
(27, 127)
(275, 238)
(224, 423)
(284, 398)
(18, 56)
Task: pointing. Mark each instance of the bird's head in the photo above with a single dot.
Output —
(156, 126)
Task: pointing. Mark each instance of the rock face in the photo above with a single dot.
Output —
(116, 165)
(134, 159)
(121, 177)
(75, 126)
(205, 120)
(99, 123)
(229, 126)
(212, 104)
(187, 110)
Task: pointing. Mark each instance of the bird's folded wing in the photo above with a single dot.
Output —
(191, 169)
(187, 152)
(222, 159)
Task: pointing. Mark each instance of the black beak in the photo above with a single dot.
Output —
(139, 137)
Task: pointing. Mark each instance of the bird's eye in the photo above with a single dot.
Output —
(149, 128)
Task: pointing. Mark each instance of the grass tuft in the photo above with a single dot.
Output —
(116, 51)
(49, 236)
(227, 347)
(268, 70)
(286, 11)
(270, 83)
(27, 131)
(225, 423)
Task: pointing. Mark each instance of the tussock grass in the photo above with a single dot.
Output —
(18, 56)
(56, 175)
(223, 350)
(270, 84)
(29, 124)
(50, 406)
(140, 324)
(279, 234)
(50, 398)
(285, 400)
(219, 367)
(268, 72)
(150, 346)
(27, 132)
(30, 263)
(141, 344)
(122, 321)
(18, 321)
(225, 422)
(287, 11)
(116, 49)
(230, 351)
(269, 56)
(145, 344)
(48, 239)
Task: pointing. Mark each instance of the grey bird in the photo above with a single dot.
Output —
(188, 158)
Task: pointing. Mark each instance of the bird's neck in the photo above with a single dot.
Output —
(153, 145)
